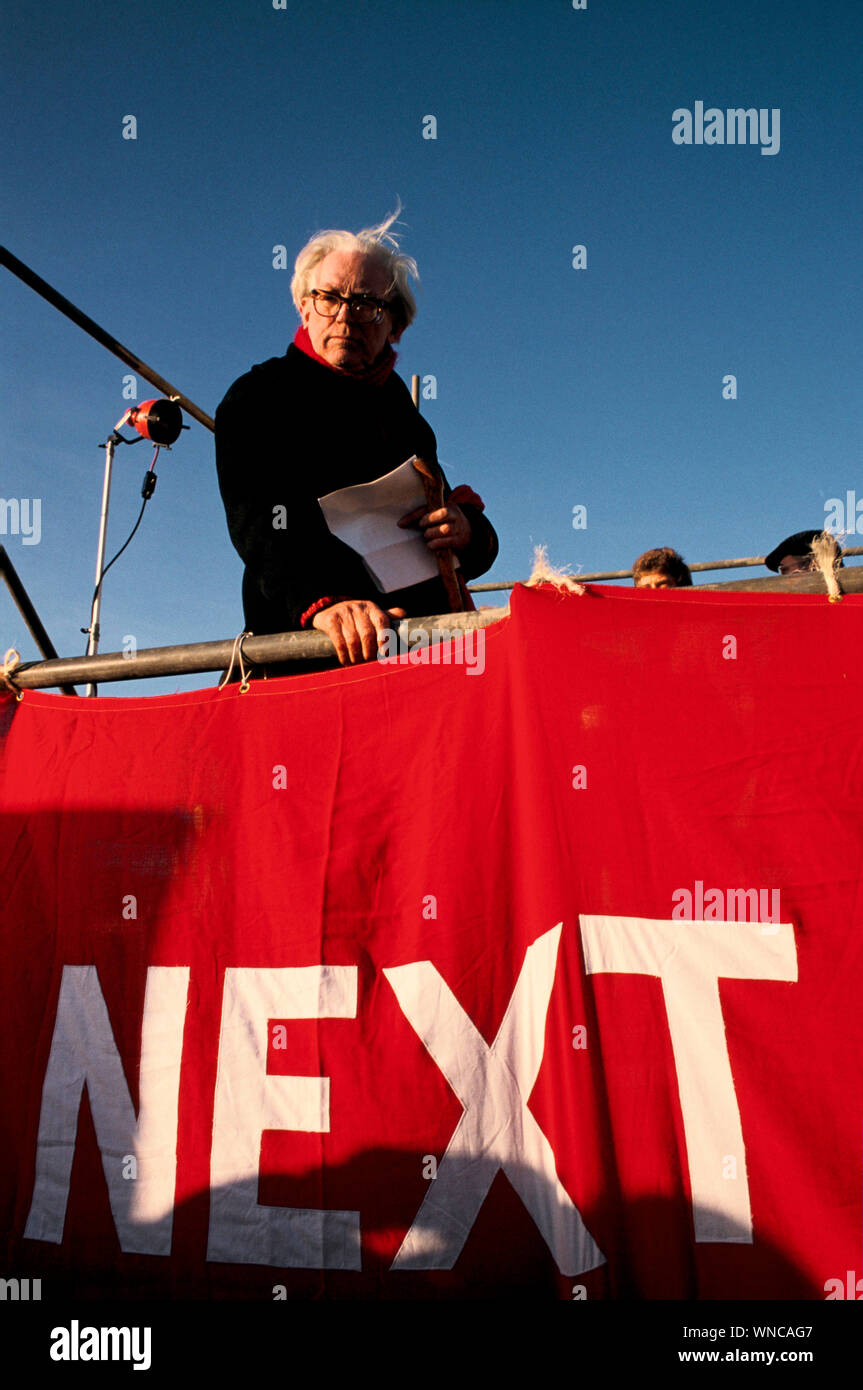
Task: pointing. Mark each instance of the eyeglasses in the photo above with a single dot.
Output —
(362, 308)
(796, 564)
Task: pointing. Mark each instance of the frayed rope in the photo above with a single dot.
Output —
(11, 662)
(544, 573)
(826, 562)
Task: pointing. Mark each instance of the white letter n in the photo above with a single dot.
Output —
(497, 1130)
(84, 1053)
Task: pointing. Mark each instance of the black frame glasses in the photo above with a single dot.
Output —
(362, 308)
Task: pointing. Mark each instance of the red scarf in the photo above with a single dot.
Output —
(375, 375)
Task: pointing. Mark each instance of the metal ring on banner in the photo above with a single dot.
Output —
(237, 658)
(11, 661)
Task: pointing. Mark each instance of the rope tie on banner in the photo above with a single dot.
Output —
(825, 550)
(237, 657)
(11, 661)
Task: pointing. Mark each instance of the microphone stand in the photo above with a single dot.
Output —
(161, 423)
(114, 439)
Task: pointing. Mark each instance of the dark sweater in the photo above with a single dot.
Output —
(287, 433)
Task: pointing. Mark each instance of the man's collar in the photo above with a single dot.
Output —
(375, 375)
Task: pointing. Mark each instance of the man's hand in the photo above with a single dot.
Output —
(354, 626)
(445, 529)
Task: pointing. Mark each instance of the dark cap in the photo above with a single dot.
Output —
(798, 544)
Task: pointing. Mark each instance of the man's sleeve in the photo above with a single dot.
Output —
(271, 523)
(481, 552)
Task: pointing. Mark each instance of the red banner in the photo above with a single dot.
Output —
(537, 969)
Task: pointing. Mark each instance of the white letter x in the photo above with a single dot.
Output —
(496, 1130)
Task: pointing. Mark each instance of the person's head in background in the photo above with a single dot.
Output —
(661, 569)
(794, 554)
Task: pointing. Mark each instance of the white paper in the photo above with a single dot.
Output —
(366, 518)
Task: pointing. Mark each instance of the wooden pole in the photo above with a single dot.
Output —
(433, 484)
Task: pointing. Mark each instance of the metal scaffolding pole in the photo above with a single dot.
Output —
(26, 608)
(199, 657)
(598, 576)
(298, 648)
(35, 282)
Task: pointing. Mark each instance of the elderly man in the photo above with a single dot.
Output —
(329, 414)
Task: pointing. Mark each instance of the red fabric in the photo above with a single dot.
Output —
(375, 819)
(376, 375)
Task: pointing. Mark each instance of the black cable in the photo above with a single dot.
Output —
(122, 548)
(147, 491)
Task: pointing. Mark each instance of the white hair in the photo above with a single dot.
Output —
(377, 242)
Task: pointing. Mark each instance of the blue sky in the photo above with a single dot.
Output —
(556, 386)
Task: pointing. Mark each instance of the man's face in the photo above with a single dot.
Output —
(796, 564)
(655, 579)
(340, 341)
